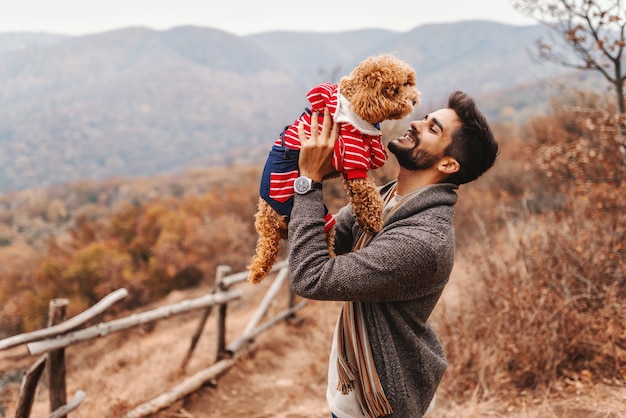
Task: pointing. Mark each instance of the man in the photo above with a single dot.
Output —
(386, 359)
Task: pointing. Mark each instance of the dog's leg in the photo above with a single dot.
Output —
(271, 228)
(366, 203)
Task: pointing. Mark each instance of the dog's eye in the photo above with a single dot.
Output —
(396, 90)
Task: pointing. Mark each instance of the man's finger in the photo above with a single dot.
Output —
(326, 125)
(334, 134)
(314, 126)
(301, 134)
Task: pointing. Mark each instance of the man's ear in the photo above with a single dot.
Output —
(448, 165)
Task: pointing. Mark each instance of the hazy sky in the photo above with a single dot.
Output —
(243, 17)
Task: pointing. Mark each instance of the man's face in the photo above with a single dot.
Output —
(424, 143)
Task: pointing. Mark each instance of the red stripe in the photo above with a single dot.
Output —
(281, 185)
(330, 222)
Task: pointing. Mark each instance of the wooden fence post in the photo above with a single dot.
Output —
(195, 338)
(220, 273)
(220, 326)
(56, 358)
(29, 387)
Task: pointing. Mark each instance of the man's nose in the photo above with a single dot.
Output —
(417, 125)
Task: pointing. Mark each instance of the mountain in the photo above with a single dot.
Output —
(137, 102)
(479, 57)
(16, 41)
(134, 102)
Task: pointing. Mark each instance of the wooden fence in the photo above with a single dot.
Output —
(50, 342)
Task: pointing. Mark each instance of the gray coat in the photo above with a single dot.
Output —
(400, 275)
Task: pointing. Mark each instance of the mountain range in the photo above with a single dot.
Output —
(140, 102)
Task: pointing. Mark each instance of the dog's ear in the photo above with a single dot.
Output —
(364, 91)
(368, 104)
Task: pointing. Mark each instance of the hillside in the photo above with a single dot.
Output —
(132, 102)
(479, 57)
(139, 102)
(283, 375)
(17, 41)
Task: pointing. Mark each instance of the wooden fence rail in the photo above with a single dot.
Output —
(72, 323)
(52, 341)
(105, 328)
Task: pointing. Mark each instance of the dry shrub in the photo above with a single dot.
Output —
(543, 304)
(148, 247)
(545, 295)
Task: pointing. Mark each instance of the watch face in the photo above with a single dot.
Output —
(301, 185)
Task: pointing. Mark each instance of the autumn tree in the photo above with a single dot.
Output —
(592, 29)
(585, 35)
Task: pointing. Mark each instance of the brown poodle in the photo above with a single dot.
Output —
(379, 88)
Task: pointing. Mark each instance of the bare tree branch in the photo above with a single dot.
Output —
(585, 35)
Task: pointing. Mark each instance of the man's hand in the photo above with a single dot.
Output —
(315, 160)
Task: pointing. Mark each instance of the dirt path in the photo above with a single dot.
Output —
(284, 376)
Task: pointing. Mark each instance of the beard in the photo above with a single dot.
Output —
(414, 158)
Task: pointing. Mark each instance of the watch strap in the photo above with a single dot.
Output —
(316, 185)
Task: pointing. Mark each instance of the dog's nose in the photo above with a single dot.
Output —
(414, 102)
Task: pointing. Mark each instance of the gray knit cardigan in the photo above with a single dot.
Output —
(400, 276)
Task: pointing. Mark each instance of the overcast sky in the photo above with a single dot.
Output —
(243, 17)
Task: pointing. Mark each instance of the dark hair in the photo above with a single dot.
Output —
(473, 144)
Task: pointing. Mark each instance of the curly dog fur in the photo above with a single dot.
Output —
(380, 88)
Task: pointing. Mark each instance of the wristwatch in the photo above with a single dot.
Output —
(304, 185)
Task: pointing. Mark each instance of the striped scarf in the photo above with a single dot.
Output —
(355, 362)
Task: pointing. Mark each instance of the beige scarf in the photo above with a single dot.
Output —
(355, 362)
